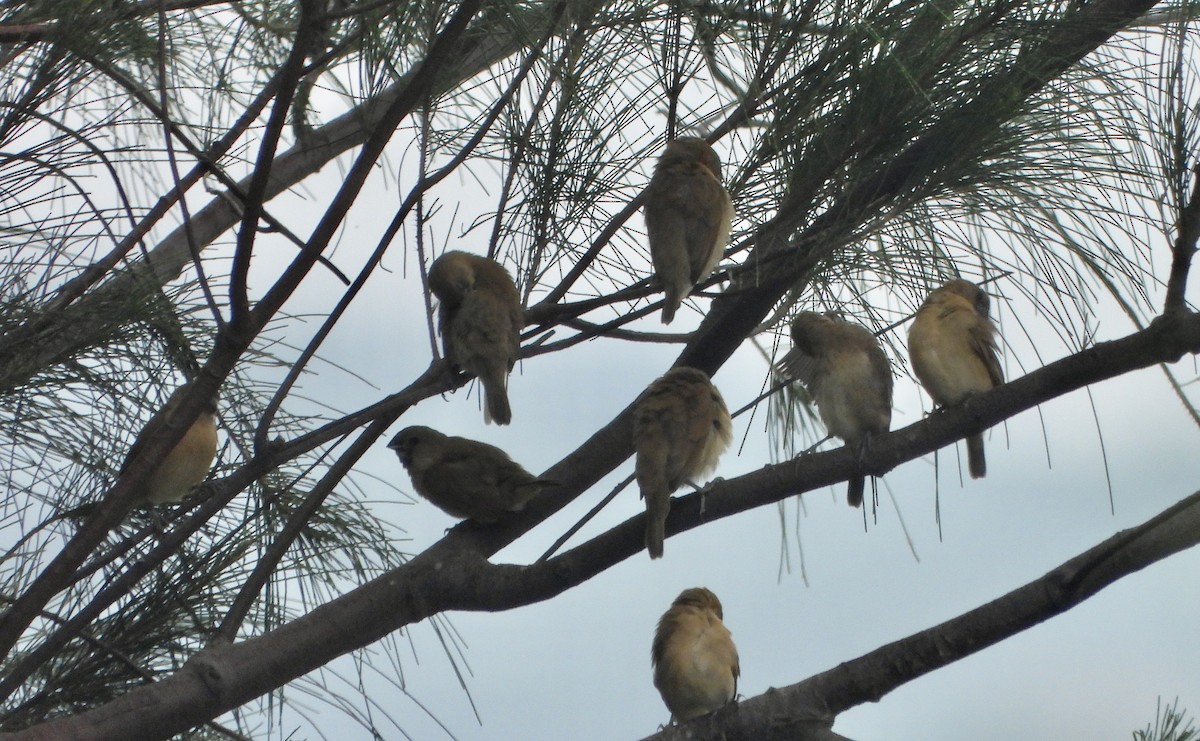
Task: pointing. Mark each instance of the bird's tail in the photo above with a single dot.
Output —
(495, 404)
(854, 492)
(670, 304)
(658, 504)
(975, 460)
(656, 525)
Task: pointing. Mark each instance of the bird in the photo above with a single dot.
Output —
(187, 464)
(480, 320)
(464, 478)
(953, 348)
(695, 662)
(688, 216)
(848, 375)
(680, 429)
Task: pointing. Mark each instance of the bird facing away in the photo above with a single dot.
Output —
(188, 463)
(953, 347)
(680, 429)
(695, 662)
(464, 478)
(480, 320)
(848, 375)
(688, 215)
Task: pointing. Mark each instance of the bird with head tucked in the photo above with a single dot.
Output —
(848, 375)
(695, 662)
(688, 216)
(680, 429)
(464, 478)
(187, 464)
(480, 320)
(953, 347)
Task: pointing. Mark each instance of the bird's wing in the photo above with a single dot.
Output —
(983, 342)
(800, 366)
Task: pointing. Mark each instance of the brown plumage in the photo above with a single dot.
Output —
(688, 215)
(680, 429)
(465, 478)
(187, 464)
(695, 662)
(953, 347)
(480, 320)
(848, 375)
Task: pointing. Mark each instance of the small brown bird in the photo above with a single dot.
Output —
(480, 320)
(688, 215)
(847, 373)
(954, 352)
(695, 662)
(188, 463)
(464, 478)
(680, 429)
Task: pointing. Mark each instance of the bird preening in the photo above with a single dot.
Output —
(688, 216)
(695, 663)
(952, 344)
(848, 375)
(680, 429)
(464, 478)
(480, 320)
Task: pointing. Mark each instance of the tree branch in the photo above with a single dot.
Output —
(787, 712)
(1184, 248)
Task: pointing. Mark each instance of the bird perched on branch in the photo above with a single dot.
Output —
(480, 320)
(688, 215)
(695, 662)
(848, 375)
(680, 429)
(187, 464)
(465, 478)
(953, 347)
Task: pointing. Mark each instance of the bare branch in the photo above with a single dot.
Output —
(791, 712)
(1184, 248)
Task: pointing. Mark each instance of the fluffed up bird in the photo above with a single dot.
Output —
(695, 662)
(688, 215)
(464, 478)
(680, 429)
(188, 463)
(480, 320)
(953, 347)
(848, 375)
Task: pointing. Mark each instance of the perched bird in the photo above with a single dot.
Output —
(464, 478)
(688, 214)
(953, 348)
(480, 320)
(695, 662)
(848, 375)
(188, 463)
(680, 429)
